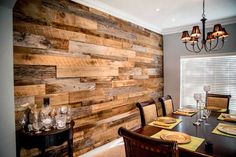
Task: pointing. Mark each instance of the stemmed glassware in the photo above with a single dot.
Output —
(23, 120)
(206, 88)
(197, 97)
(206, 114)
(37, 125)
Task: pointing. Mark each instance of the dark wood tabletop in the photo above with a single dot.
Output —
(222, 146)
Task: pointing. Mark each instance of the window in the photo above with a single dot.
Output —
(217, 71)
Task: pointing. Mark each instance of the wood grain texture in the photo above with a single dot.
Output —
(72, 71)
(29, 90)
(98, 64)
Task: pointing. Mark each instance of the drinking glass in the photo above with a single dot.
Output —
(206, 88)
(61, 121)
(64, 109)
(23, 120)
(197, 97)
(37, 126)
(47, 123)
(206, 114)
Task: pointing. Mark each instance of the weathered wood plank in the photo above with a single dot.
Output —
(53, 60)
(125, 83)
(79, 47)
(67, 85)
(115, 32)
(35, 41)
(23, 100)
(107, 105)
(124, 90)
(80, 96)
(38, 11)
(55, 99)
(29, 90)
(47, 31)
(28, 50)
(71, 7)
(72, 71)
(33, 74)
(130, 71)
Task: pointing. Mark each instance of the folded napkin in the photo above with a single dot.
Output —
(164, 125)
(160, 124)
(226, 117)
(184, 113)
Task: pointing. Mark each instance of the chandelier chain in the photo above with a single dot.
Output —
(203, 10)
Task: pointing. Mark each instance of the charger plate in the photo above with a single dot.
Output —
(167, 120)
(180, 137)
(187, 110)
(228, 129)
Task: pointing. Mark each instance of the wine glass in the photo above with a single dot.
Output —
(37, 126)
(197, 97)
(64, 109)
(47, 123)
(206, 88)
(206, 114)
(23, 120)
(61, 121)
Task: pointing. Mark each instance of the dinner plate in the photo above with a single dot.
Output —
(180, 137)
(167, 120)
(232, 116)
(228, 129)
(187, 110)
(161, 124)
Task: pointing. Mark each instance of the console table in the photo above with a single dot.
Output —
(54, 137)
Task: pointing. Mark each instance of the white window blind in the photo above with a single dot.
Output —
(218, 71)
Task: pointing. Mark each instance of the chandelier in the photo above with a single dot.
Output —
(214, 40)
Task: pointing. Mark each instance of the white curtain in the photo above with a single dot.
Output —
(217, 71)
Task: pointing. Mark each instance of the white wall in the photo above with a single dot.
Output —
(7, 114)
(174, 49)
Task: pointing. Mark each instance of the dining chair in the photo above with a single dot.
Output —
(218, 100)
(137, 145)
(167, 104)
(148, 111)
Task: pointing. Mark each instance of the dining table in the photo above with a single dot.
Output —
(213, 145)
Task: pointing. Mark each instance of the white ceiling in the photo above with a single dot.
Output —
(172, 14)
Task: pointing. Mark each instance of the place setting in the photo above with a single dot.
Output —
(227, 117)
(185, 112)
(165, 122)
(225, 130)
(184, 140)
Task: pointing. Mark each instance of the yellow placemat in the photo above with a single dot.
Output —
(184, 113)
(226, 119)
(221, 116)
(169, 127)
(192, 146)
(216, 131)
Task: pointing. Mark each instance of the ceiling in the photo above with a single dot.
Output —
(163, 16)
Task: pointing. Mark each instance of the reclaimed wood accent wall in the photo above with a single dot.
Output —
(96, 63)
